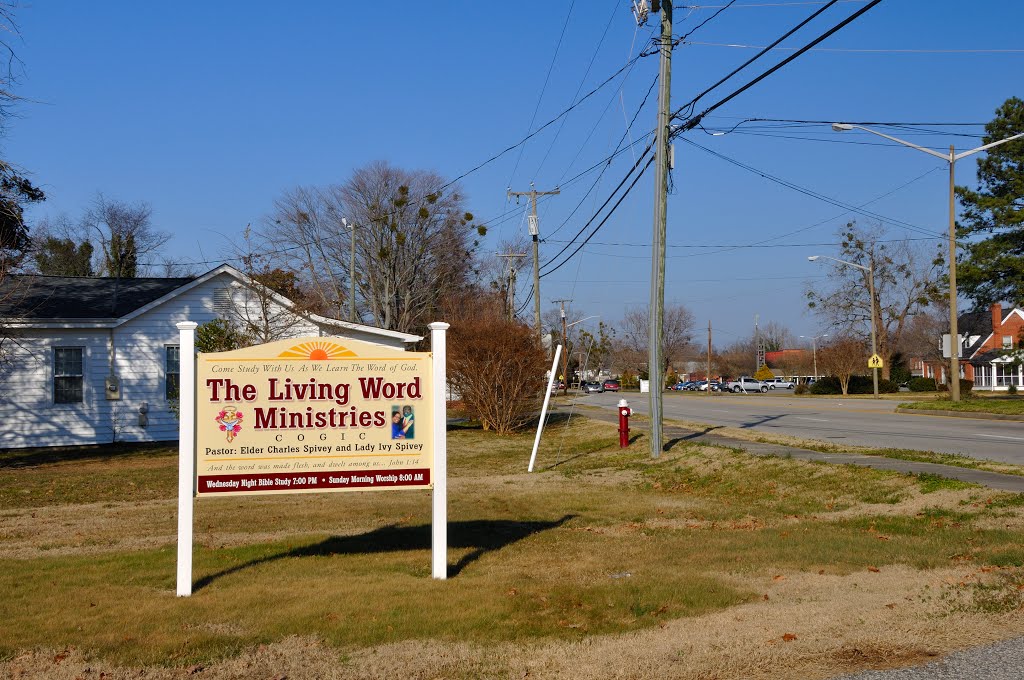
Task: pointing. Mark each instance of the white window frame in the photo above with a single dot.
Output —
(55, 375)
(168, 372)
(1007, 342)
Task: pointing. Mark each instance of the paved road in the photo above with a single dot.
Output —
(864, 422)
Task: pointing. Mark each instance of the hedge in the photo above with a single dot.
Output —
(922, 385)
(859, 384)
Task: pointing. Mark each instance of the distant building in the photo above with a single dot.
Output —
(991, 349)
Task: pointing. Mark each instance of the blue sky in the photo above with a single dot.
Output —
(209, 111)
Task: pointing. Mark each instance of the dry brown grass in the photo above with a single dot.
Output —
(707, 563)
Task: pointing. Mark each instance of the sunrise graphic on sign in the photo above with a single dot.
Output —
(317, 350)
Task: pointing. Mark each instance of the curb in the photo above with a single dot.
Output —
(960, 414)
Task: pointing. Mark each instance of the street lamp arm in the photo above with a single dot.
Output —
(845, 126)
(836, 259)
(588, 318)
(964, 154)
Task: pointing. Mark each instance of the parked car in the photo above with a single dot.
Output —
(715, 387)
(745, 383)
(780, 383)
(612, 385)
(586, 387)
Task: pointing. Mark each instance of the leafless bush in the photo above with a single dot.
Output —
(496, 365)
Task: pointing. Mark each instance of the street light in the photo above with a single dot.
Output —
(814, 351)
(565, 343)
(952, 158)
(874, 315)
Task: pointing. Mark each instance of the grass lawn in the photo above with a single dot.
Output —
(1005, 405)
(601, 563)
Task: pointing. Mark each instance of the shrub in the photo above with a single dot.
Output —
(922, 385)
(801, 389)
(826, 385)
(966, 387)
(764, 373)
(497, 368)
(859, 384)
(1012, 389)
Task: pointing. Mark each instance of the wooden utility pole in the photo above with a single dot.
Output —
(661, 161)
(535, 234)
(565, 344)
(707, 376)
(510, 297)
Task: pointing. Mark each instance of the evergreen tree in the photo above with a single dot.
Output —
(63, 257)
(992, 269)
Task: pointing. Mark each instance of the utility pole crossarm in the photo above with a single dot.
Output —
(535, 234)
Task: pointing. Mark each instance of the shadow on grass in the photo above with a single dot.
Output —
(25, 458)
(554, 418)
(483, 536)
(689, 437)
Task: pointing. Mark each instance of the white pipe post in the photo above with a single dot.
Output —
(186, 451)
(439, 520)
(544, 409)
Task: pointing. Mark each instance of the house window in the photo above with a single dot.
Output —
(1003, 374)
(172, 372)
(983, 376)
(1007, 342)
(67, 375)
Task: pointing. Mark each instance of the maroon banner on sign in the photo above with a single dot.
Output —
(284, 481)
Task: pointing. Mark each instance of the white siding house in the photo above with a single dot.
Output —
(94, 360)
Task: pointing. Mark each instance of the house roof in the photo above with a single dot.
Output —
(978, 324)
(72, 297)
(45, 301)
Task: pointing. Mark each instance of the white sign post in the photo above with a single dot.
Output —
(439, 501)
(186, 451)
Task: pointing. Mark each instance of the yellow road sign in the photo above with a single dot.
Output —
(875, 361)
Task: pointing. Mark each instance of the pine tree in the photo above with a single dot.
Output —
(992, 269)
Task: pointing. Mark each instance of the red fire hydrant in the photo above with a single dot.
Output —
(624, 413)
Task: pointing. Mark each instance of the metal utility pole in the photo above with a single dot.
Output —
(535, 234)
(351, 274)
(510, 298)
(565, 344)
(661, 159)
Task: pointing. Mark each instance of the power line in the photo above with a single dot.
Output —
(809, 192)
(701, 24)
(593, 57)
(543, 89)
(860, 50)
(692, 122)
(606, 218)
(760, 54)
(762, 4)
(597, 212)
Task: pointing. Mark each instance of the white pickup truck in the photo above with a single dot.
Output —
(745, 383)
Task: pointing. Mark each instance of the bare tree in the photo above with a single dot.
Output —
(125, 233)
(775, 336)
(260, 310)
(906, 280)
(631, 346)
(414, 243)
(842, 359)
(310, 236)
(735, 359)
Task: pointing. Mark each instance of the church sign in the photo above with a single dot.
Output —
(313, 415)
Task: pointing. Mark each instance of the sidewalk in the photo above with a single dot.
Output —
(992, 480)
